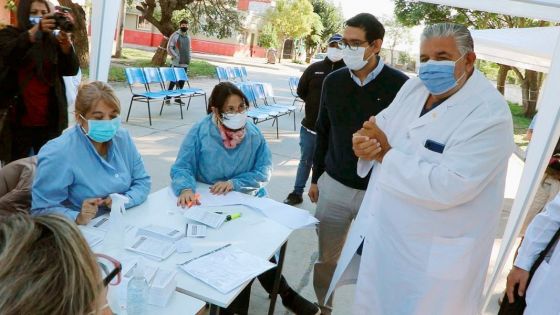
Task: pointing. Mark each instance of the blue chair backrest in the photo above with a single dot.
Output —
(243, 73)
(167, 74)
(152, 75)
(134, 76)
(237, 72)
(180, 74)
(248, 91)
(293, 81)
(259, 91)
(221, 72)
(230, 74)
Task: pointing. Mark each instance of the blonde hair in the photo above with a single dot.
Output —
(46, 267)
(89, 94)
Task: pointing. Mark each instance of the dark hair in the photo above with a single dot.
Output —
(23, 8)
(183, 21)
(370, 24)
(221, 92)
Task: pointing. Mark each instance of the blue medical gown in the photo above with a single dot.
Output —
(204, 158)
(70, 170)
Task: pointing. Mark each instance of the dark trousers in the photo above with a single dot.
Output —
(180, 83)
(241, 303)
(27, 141)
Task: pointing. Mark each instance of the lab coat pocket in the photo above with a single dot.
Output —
(430, 156)
(450, 258)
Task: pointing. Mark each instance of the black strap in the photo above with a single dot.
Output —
(542, 255)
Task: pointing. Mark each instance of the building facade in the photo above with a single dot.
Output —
(140, 32)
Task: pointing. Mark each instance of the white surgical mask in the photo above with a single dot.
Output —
(234, 121)
(334, 54)
(354, 59)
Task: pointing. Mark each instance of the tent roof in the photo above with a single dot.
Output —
(548, 10)
(527, 48)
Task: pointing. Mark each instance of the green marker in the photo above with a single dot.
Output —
(233, 216)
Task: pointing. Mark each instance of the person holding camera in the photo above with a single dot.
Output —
(37, 53)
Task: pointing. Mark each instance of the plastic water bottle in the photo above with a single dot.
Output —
(137, 293)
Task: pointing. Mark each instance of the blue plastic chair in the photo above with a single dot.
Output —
(168, 75)
(222, 74)
(293, 82)
(258, 114)
(138, 84)
(181, 75)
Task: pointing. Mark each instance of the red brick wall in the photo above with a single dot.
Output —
(198, 45)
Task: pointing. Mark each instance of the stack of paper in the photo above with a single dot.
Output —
(160, 232)
(162, 287)
(152, 248)
(205, 216)
(226, 269)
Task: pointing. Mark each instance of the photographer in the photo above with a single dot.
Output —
(38, 53)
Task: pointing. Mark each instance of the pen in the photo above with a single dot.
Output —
(233, 216)
(211, 252)
(196, 198)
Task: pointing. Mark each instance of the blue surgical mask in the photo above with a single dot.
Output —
(439, 76)
(102, 130)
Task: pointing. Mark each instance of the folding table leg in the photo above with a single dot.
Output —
(276, 286)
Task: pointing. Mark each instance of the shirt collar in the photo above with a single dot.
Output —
(371, 76)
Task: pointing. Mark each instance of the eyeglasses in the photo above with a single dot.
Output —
(110, 269)
(334, 45)
(352, 45)
(240, 109)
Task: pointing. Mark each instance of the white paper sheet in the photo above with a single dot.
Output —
(92, 236)
(289, 216)
(101, 223)
(160, 232)
(196, 230)
(183, 246)
(227, 269)
(152, 248)
(205, 216)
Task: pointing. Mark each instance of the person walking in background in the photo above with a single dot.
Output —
(179, 48)
(309, 89)
(349, 96)
(38, 58)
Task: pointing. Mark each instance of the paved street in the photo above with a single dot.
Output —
(159, 145)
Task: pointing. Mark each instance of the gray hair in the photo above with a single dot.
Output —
(460, 33)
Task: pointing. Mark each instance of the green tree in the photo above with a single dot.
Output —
(411, 13)
(291, 19)
(331, 23)
(395, 33)
(267, 37)
(218, 18)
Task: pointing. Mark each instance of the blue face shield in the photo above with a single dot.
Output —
(439, 76)
(103, 130)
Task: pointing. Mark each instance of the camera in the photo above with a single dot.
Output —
(61, 21)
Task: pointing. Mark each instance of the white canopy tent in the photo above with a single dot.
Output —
(547, 131)
(103, 26)
(526, 48)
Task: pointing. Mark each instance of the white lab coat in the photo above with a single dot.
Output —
(543, 293)
(429, 219)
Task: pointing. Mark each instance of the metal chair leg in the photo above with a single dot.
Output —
(149, 113)
(161, 109)
(129, 108)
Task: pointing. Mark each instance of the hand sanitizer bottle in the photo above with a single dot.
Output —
(137, 293)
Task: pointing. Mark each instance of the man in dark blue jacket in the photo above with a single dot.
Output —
(349, 97)
(309, 90)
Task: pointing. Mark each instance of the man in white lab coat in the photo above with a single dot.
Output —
(542, 295)
(431, 210)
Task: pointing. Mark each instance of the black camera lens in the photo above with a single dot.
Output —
(63, 23)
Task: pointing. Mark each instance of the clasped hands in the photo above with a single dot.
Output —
(370, 143)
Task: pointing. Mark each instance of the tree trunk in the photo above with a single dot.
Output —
(283, 42)
(120, 34)
(502, 76)
(160, 56)
(79, 36)
(530, 92)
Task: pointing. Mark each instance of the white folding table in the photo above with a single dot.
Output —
(252, 232)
